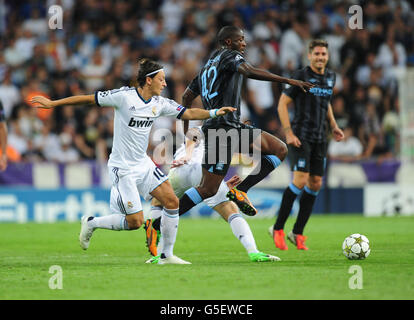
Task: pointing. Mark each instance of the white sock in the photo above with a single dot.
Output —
(241, 230)
(169, 227)
(156, 212)
(112, 222)
(160, 245)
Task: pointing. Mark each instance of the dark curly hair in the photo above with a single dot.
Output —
(317, 43)
(146, 66)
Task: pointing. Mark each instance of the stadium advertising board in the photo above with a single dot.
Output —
(388, 199)
(51, 205)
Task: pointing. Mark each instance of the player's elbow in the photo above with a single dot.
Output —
(282, 151)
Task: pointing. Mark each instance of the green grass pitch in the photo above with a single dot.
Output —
(113, 266)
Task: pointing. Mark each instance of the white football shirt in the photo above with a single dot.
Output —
(133, 120)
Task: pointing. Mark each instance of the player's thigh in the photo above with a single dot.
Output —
(185, 177)
(318, 159)
(299, 157)
(210, 183)
(271, 145)
(153, 182)
(125, 197)
(219, 197)
(165, 194)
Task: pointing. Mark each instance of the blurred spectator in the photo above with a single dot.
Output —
(87, 134)
(363, 72)
(101, 41)
(348, 150)
(292, 46)
(47, 143)
(190, 48)
(95, 71)
(261, 99)
(36, 23)
(371, 134)
(12, 55)
(66, 153)
(202, 14)
(22, 130)
(9, 95)
(25, 43)
(391, 55)
(172, 12)
(341, 116)
(335, 40)
(3, 140)
(56, 54)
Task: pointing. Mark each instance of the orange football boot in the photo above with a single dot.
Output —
(242, 201)
(279, 239)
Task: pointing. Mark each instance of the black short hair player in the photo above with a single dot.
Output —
(307, 141)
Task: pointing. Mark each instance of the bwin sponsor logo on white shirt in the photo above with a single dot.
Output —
(140, 123)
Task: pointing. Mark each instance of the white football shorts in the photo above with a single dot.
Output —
(189, 175)
(129, 185)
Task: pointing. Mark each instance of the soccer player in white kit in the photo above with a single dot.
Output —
(186, 172)
(132, 172)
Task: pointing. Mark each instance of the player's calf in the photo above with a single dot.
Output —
(135, 220)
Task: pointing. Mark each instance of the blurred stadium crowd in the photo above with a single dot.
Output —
(102, 40)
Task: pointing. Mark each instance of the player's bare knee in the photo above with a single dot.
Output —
(315, 185)
(282, 151)
(207, 192)
(300, 183)
(171, 203)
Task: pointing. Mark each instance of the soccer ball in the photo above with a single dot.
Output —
(356, 247)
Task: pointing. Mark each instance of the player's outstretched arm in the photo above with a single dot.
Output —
(251, 72)
(201, 114)
(188, 98)
(47, 103)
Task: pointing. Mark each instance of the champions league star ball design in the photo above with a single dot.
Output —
(356, 247)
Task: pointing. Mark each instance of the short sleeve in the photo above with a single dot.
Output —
(194, 86)
(170, 108)
(293, 91)
(232, 61)
(109, 98)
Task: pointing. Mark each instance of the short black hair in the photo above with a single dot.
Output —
(226, 33)
(146, 66)
(317, 43)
